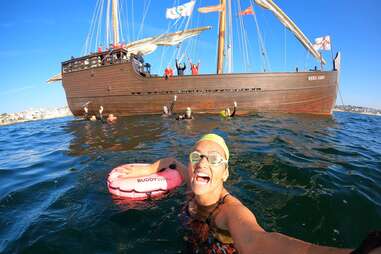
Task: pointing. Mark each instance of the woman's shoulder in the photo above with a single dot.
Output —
(234, 210)
(228, 204)
(231, 200)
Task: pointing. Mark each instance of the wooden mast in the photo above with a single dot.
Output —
(221, 38)
(115, 21)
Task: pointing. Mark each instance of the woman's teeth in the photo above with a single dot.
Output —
(202, 178)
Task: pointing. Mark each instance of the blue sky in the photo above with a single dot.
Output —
(37, 35)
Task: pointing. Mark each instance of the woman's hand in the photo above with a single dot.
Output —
(139, 170)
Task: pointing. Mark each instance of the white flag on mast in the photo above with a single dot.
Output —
(180, 11)
(323, 43)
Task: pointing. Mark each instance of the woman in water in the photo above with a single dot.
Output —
(219, 221)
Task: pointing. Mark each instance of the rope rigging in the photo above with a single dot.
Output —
(86, 49)
(261, 43)
(108, 22)
(186, 49)
(120, 22)
(132, 21)
(244, 39)
(181, 49)
(230, 40)
(285, 49)
(145, 11)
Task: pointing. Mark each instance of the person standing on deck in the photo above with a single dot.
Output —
(180, 68)
(168, 72)
(194, 67)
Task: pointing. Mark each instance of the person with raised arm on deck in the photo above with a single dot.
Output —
(180, 68)
(194, 67)
(168, 72)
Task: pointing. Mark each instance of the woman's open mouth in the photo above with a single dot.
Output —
(202, 178)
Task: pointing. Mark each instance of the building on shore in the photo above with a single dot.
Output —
(34, 114)
(358, 109)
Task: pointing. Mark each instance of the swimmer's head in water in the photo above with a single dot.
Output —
(93, 118)
(208, 164)
(111, 117)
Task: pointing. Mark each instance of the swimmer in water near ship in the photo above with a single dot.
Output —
(111, 118)
(168, 111)
(219, 221)
(226, 113)
(186, 116)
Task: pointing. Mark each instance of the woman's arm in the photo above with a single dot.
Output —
(249, 237)
(156, 167)
(234, 109)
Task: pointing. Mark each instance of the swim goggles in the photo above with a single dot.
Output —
(213, 157)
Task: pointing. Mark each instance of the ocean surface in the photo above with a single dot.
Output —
(314, 178)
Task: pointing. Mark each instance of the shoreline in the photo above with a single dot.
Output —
(357, 112)
(32, 120)
(34, 115)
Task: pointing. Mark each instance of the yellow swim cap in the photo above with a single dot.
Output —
(218, 140)
(222, 113)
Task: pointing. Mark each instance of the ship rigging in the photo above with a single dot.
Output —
(113, 78)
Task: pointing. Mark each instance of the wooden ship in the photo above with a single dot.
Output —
(116, 80)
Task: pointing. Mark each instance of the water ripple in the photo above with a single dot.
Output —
(305, 176)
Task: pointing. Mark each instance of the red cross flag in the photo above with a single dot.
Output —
(323, 43)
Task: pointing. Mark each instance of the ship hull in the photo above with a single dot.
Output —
(121, 90)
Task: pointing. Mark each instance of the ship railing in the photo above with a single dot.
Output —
(95, 60)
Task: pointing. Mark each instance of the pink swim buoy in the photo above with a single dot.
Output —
(140, 188)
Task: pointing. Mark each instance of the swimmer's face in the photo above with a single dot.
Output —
(188, 112)
(204, 177)
(111, 117)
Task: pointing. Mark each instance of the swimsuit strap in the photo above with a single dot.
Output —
(220, 202)
(209, 218)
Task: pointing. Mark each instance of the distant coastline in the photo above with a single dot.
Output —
(357, 109)
(34, 115)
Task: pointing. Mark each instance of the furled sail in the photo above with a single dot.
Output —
(144, 46)
(55, 78)
(148, 45)
(288, 23)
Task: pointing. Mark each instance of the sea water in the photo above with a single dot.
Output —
(314, 178)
